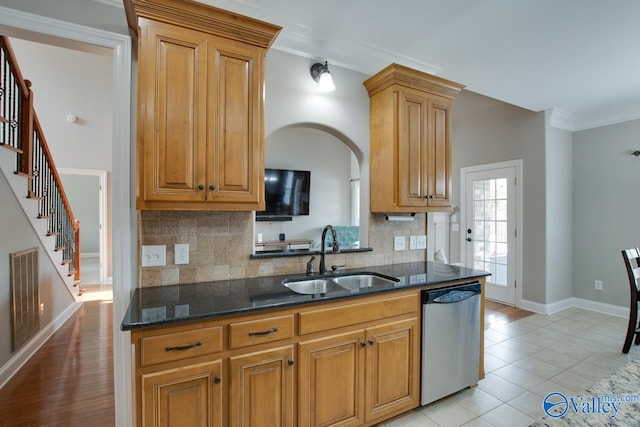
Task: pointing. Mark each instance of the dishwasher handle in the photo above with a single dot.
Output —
(453, 297)
(452, 294)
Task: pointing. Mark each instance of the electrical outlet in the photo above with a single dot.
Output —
(399, 243)
(412, 242)
(154, 256)
(421, 242)
(181, 253)
(598, 284)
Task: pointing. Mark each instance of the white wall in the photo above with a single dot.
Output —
(559, 219)
(66, 81)
(606, 209)
(329, 161)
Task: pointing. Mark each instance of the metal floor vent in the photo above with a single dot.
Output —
(25, 296)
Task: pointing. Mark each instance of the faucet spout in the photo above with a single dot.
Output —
(323, 252)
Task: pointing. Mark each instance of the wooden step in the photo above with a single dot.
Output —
(4, 120)
(60, 248)
(44, 216)
(11, 148)
(67, 261)
(52, 233)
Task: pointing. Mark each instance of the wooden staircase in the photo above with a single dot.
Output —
(37, 183)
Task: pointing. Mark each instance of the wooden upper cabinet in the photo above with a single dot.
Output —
(200, 106)
(410, 140)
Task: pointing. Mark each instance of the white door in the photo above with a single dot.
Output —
(489, 233)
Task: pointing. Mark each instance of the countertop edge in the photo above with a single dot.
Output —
(132, 326)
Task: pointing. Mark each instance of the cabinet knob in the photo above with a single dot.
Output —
(212, 187)
(429, 196)
(290, 362)
(201, 187)
(217, 380)
(363, 344)
(371, 342)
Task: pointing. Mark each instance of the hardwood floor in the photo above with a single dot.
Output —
(69, 381)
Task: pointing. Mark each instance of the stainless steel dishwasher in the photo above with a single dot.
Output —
(450, 340)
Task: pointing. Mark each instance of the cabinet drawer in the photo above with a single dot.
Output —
(352, 314)
(252, 332)
(180, 345)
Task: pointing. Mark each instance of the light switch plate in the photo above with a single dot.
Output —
(412, 242)
(399, 243)
(154, 256)
(421, 242)
(181, 253)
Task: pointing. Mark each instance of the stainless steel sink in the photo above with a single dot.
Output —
(357, 281)
(313, 286)
(327, 284)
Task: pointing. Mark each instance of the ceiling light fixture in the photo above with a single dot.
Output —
(320, 73)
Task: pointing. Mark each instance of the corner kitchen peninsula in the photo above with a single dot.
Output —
(222, 353)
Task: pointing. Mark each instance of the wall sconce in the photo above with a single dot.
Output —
(320, 73)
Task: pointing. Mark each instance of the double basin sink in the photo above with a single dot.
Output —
(332, 283)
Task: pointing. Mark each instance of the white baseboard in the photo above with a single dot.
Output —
(23, 355)
(557, 306)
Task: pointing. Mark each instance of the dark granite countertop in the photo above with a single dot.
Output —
(163, 305)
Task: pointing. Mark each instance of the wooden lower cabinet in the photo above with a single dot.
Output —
(356, 378)
(261, 388)
(187, 397)
(393, 368)
(331, 377)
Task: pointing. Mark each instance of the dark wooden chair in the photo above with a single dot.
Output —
(632, 262)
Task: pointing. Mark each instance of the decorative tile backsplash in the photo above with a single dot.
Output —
(220, 244)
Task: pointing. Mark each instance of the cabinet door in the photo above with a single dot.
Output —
(185, 397)
(331, 381)
(412, 149)
(261, 388)
(439, 189)
(393, 373)
(172, 108)
(237, 156)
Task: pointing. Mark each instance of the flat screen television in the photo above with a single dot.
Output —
(286, 193)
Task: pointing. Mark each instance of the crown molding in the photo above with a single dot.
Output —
(115, 3)
(561, 119)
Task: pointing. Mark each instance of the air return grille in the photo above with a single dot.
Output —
(25, 296)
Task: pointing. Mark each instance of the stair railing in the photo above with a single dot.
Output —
(20, 131)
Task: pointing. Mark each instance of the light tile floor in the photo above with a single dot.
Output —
(525, 360)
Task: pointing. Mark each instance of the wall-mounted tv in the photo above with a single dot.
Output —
(286, 193)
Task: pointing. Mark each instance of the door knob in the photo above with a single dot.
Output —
(468, 239)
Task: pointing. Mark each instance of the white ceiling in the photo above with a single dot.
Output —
(579, 57)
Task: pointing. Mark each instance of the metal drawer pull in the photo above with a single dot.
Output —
(183, 347)
(270, 331)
